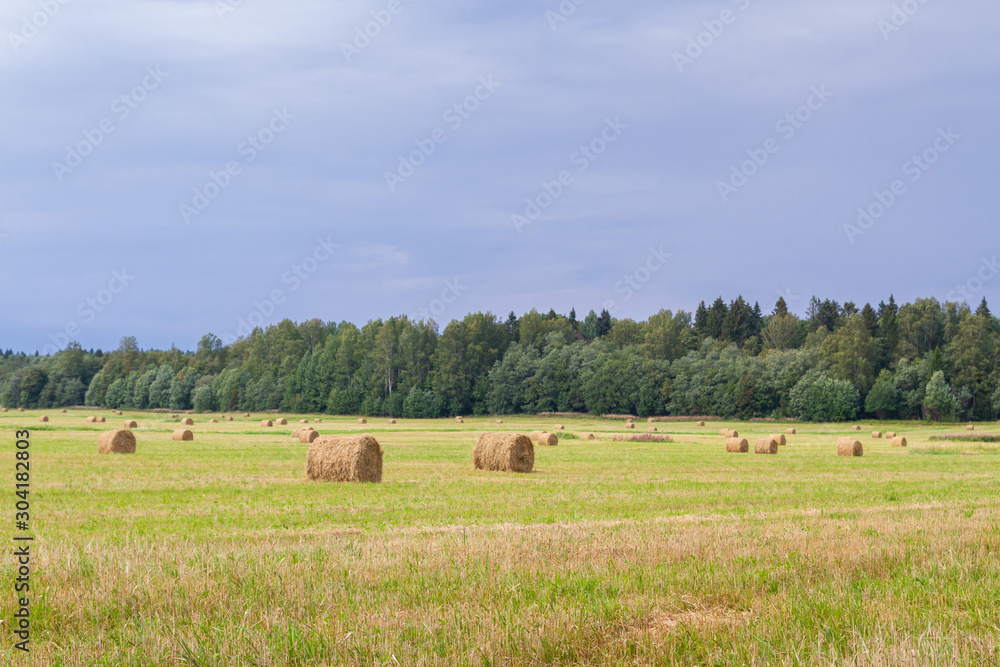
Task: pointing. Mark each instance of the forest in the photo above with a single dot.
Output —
(921, 360)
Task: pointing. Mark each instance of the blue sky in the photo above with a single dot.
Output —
(176, 168)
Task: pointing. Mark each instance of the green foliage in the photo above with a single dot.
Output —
(883, 399)
(940, 401)
(817, 397)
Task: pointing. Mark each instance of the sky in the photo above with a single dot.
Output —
(172, 168)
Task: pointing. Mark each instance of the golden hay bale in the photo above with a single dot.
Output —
(499, 421)
(629, 425)
(307, 435)
(791, 431)
(890, 435)
(43, 419)
(102, 419)
(229, 419)
(344, 459)
(766, 445)
(187, 422)
(724, 431)
(856, 427)
(535, 435)
(548, 440)
(459, 420)
(392, 421)
(3, 409)
(116, 442)
(780, 437)
(629, 420)
(132, 424)
(267, 423)
(362, 421)
(737, 445)
(303, 421)
(559, 427)
(91, 420)
(213, 421)
(876, 434)
(174, 416)
(317, 420)
(282, 422)
(20, 409)
(899, 442)
(650, 420)
(246, 414)
(589, 436)
(651, 429)
(504, 452)
(64, 410)
(701, 423)
(182, 434)
(970, 427)
(850, 447)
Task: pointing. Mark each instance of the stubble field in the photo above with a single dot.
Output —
(221, 552)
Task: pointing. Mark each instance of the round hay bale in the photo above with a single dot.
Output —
(650, 420)
(899, 442)
(183, 435)
(850, 447)
(559, 427)
(392, 421)
(317, 420)
(791, 431)
(890, 435)
(629, 425)
(766, 445)
(589, 436)
(174, 416)
(187, 421)
(91, 420)
(724, 432)
(459, 420)
(548, 440)
(3, 409)
(282, 422)
(267, 423)
(499, 421)
(43, 419)
(131, 424)
(229, 419)
(651, 429)
(308, 435)
(102, 419)
(856, 427)
(876, 434)
(504, 452)
(213, 421)
(362, 421)
(737, 445)
(780, 437)
(303, 421)
(20, 409)
(701, 423)
(970, 427)
(246, 414)
(629, 420)
(64, 410)
(116, 442)
(344, 459)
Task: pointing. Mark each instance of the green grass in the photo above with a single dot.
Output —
(219, 552)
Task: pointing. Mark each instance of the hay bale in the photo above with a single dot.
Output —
(213, 421)
(504, 452)
(899, 442)
(344, 459)
(116, 442)
(890, 435)
(392, 421)
(559, 427)
(91, 420)
(780, 437)
(308, 435)
(651, 429)
(589, 436)
(791, 431)
(629, 425)
(548, 440)
(131, 424)
(724, 432)
(102, 420)
(970, 427)
(246, 414)
(737, 445)
(499, 421)
(850, 447)
(459, 420)
(174, 416)
(64, 410)
(182, 434)
(187, 422)
(766, 445)
(650, 420)
(282, 422)
(317, 420)
(303, 421)
(229, 419)
(43, 419)
(267, 423)
(877, 434)
(20, 409)
(701, 423)
(3, 409)
(856, 427)
(362, 421)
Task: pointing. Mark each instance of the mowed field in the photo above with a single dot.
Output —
(221, 552)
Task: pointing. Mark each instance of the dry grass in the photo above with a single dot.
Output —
(116, 442)
(344, 459)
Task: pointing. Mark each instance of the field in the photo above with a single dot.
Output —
(220, 552)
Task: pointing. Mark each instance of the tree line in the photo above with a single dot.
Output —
(922, 360)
